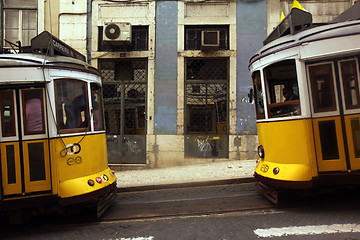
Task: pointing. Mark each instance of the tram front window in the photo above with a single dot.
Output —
(97, 107)
(283, 92)
(72, 105)
(258, 95)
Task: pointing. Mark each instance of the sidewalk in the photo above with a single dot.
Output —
(231, 171)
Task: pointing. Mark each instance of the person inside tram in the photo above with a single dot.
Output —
(289, 94)
(79, 117)
(34, 117)
(288, 108)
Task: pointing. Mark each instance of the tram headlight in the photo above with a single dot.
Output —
(91, 182)
(276, 170)
(261, 152)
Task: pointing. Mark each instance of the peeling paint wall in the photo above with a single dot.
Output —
(251, 18)
(72, 19)
(48, 16)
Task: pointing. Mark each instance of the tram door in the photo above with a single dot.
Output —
(25, 166)
(336, 110)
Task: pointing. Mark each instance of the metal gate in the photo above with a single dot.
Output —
(125, 88)
(206, 107)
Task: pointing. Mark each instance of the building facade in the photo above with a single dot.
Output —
(175, 73)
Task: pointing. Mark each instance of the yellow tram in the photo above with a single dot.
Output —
(307, 97)
(52, 133)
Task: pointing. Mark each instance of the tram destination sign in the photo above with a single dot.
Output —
(46, 43)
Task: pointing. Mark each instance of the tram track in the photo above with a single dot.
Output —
(158, 205)
(192, 199)
(213, 200)
(123, 219)
(76, 224)
(237, 212)
(187, 202)
(174, 205)
(187, 193)
(153, 205)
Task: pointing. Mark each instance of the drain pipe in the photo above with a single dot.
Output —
(2, 26)
(88, 30)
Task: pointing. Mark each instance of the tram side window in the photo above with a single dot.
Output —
(97, 107)
(258, 95)
(283, 92)
(72, 105)
(350, 79)
(7, 113)
(322, 87)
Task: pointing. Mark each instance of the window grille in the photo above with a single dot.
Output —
(206, 95)
(125, 87)
(206, 107)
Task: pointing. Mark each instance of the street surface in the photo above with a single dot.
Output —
(222, 212)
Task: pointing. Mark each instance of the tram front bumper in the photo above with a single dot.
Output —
(275, 184)
(95, 195)
(81, 186)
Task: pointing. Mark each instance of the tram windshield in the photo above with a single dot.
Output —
(282, 88)
(72, 105)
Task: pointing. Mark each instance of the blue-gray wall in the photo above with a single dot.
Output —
(166, 67)
(251, 18)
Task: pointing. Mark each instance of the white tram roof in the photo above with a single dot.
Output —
(310, 34)
(27, 68)
(41, 60)
(331, 31)
(45, 52)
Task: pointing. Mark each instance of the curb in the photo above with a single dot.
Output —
(186, 185)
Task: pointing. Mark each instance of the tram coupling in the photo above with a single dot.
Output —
(269, 193)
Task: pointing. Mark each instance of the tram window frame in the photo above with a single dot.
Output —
(350, 93)
(331, 97)
(83, 125)
(258, 95)
(4, 127)
(25, 97)
(282, 74)
(97, 111)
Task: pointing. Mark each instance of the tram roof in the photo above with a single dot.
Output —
(49, 52)
(346, 24)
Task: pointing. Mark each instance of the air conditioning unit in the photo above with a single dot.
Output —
(119, 32)
(210, 39)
